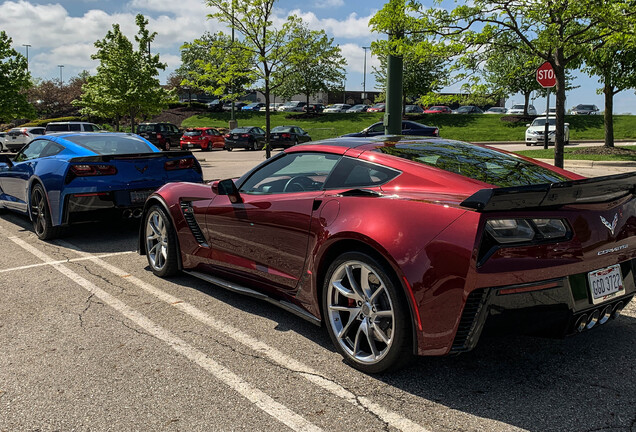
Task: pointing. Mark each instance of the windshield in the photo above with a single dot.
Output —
(587, 107)
(464, 109)
(475, 162)
(110, 144)
(541, 122)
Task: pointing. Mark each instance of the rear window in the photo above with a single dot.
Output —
(478, 163)
(193, 133)
(145, 128)
(57, 127)
(281, 129)
(241, 130)
(107, 144)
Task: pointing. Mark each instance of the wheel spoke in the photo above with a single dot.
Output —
(377, 292)
(370, 340)
(352, 281)
(377, 331)
(364, 282)
(344, 291)
(384, 314)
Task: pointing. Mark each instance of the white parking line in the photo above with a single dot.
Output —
(390, 417)
(275, 409)
(24, 267)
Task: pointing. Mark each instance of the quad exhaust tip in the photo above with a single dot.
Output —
(599, 316)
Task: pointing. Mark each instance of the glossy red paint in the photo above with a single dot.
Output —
(208, 139)
(283, 243)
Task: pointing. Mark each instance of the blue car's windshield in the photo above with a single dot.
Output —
(111, 144)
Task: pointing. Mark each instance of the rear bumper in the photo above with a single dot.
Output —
(97, 206)
(551, 308)
(237, 144)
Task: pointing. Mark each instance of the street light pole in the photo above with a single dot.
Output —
(61, 80)
(364, 79)
(27, 54)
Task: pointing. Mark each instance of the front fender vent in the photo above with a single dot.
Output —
(188, 215)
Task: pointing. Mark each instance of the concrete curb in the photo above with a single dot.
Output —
(592, 164)
(621, 141)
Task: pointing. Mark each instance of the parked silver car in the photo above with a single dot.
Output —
(518, 109)
(337, 108)
(72, 126)
(21, 136)
(3, 137)
(585, 109)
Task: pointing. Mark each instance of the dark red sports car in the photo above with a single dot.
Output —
(408, 245)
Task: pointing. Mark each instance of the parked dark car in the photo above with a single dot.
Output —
(162, 135)
(287, 136)
(216, 105)
(247, 137)
(468, 109)
(408, 128)
(237, 106)
(317, 108)
(413, 109)
(585, 109)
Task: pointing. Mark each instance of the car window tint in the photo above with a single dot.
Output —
(107, 144)
(32, 150)
(37, 131)
(479, 163)
(57, 127)
(377, 128)
(351, 173)
(311, 170)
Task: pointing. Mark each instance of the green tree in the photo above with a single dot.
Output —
(126, 83)
(558, 31)
(425, 70)
(51, 99)
(216, 65)
(615, 65)
(15, 81)
(316, 63)
(267, 45)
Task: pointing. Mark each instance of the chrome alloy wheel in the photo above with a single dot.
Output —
(157, 240)
(360, 312)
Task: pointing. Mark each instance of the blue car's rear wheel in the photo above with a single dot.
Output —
(41, 216)
(161, 243)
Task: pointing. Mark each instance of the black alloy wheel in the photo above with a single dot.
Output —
(40, 215)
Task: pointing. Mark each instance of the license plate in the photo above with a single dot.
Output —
(606, 283)
(235, 137)
(139, 197)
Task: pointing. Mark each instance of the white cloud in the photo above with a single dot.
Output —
(355, 59)
(352, 27)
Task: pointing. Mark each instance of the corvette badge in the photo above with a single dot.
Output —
(611, 226)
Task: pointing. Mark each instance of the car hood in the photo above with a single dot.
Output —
(541, 128)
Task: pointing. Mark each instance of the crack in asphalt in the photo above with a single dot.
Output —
(141, 332)
(103, 278)
(358, 403)
(89, 302)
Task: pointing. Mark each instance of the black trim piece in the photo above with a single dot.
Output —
(150, 155)
(361, 192)
(592, 190)
(466, 329)
(188, 215)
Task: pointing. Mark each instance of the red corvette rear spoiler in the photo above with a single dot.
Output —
(155, 155)
(592, 190)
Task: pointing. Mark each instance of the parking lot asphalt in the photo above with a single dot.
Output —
(91, 340)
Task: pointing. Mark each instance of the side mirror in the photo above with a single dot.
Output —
(527, 124)
(4, 159)
(227, 187)
(567, 124)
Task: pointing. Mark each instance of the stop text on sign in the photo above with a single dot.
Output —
(545, 75)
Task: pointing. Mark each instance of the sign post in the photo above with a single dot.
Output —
(546, 79)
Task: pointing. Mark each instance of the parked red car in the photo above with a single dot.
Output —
(379, 107)
(438, 109)
(202, 138)
(413, 245)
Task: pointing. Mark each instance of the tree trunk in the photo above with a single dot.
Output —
(117, 123)
(558, 64)
(526, 102)
(132, 120)
(608, 116)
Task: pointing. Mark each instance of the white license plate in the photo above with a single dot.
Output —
(606, 283)
(138, 197)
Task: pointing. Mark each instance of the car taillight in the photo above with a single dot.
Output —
(179, 164)
(286, 135)
(245, 135)
(226, 136)
(93, 170)
(159, 136)
(24, 132)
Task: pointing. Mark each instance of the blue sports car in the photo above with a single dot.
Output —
(68, 177)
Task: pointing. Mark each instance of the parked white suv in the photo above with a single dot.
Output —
(518, 109)
(295, 106)
(72, 127)
(18, 137)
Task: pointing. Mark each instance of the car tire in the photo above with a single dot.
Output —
(528, 144)
(254, 146)
(160, 242)
(166, 146)
(368, 321)
(296, 142)
(40, 214)
(228, 148)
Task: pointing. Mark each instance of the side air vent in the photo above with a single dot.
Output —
(469, 320)
(188, 214)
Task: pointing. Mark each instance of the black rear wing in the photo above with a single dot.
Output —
(592, 190)
(154, 155)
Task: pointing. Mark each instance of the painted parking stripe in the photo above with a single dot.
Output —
(25, 267)
(263, 401)
(392, 418)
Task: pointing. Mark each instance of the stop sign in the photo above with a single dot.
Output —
(545, 75)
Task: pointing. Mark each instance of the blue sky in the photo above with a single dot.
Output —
(63, 33)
